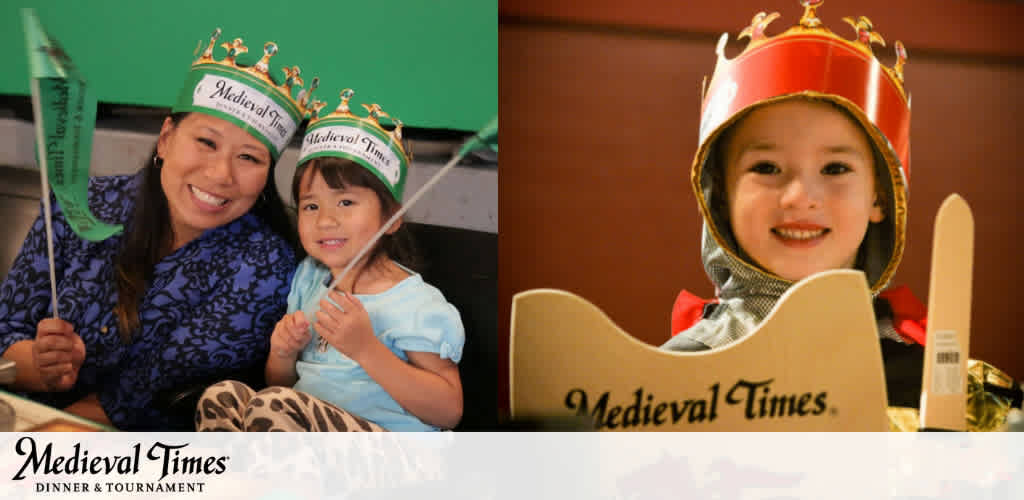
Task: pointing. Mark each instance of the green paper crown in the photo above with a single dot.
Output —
(247, 95)
(360, 139)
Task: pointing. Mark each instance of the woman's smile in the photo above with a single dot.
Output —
(207, 200)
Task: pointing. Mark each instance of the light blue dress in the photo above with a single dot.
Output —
(411, 316)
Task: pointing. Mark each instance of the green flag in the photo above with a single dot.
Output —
(486, 137)
(65, 119)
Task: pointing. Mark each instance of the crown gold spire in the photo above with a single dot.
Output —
(260, 70)
(397, 132)
(866, 34)
(757, 26)
(315, 107)
(810, 24)
(291, 77)
(208, 53)
(235, 48)
(901, 59)
(342, 108)
(263, 65)
(375, 112)
(810, 17)
(306, 94)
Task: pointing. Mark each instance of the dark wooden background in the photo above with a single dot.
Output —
(599, 111)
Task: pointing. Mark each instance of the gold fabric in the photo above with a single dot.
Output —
(986, 411)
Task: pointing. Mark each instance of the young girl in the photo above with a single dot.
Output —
(380, 351)
(794, 176)
(803, 167)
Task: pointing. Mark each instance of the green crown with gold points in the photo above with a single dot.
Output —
(247, 96)
(363, 140)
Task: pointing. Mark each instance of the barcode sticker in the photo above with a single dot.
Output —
(946, 363)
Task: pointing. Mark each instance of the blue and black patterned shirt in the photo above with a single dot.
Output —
(208, 311)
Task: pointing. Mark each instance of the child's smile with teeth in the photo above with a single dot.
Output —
(799, 234)
(332, 242)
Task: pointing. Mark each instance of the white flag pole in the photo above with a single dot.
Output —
(37, 113)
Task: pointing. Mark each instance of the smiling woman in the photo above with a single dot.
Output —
(191, 290)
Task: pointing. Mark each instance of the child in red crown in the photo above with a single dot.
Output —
(803, 166)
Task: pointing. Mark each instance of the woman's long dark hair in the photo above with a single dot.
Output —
(148, 236)
(339, 173)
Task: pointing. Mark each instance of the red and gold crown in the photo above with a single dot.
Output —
(247, 95)
(810, 59)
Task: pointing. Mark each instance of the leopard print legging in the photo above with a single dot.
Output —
(234, 406)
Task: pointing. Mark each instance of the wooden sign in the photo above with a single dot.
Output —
(944, 382)
(812, 365)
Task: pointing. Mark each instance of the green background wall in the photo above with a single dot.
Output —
(432, 64)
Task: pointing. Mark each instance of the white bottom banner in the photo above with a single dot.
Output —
(512, 465)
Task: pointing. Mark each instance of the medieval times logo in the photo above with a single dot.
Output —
(75, 470)
(753, 399)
